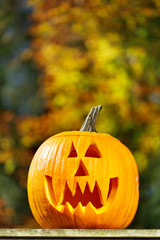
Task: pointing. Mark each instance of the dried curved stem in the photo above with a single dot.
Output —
(89, 124)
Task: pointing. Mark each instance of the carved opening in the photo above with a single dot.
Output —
(82, 171)
(87, 196)
(73, 152)
(93, 151)
(49, 190)
(84, 198)
(113, 186)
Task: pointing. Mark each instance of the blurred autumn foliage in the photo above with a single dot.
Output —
(57, 60)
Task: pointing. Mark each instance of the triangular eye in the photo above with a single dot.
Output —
(82, 171)
(73, 152)
(93, 151)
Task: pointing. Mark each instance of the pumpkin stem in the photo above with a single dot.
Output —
(89, 124)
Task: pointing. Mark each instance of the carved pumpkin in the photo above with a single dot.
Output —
(83, 179)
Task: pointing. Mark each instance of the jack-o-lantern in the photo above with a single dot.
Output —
(83, 179)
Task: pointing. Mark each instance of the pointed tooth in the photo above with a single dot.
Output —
(79, 208)
(82, 184)
(79, 216)
(69, 207)
(68, 216)
(71, 186)
(103, 192)
(74, 188)
(89, 208)
(91, 184)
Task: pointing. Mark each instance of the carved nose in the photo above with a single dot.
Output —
(81, 171)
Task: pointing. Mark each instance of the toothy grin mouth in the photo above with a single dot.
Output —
(83, 198)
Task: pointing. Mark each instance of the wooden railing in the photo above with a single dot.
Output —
(83, 234)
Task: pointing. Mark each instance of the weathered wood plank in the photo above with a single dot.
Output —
(78, 234)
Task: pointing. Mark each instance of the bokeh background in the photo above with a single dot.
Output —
(60, 58)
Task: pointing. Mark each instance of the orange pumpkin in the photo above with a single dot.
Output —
(83, 179)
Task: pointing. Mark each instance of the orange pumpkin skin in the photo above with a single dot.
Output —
(83, 180)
